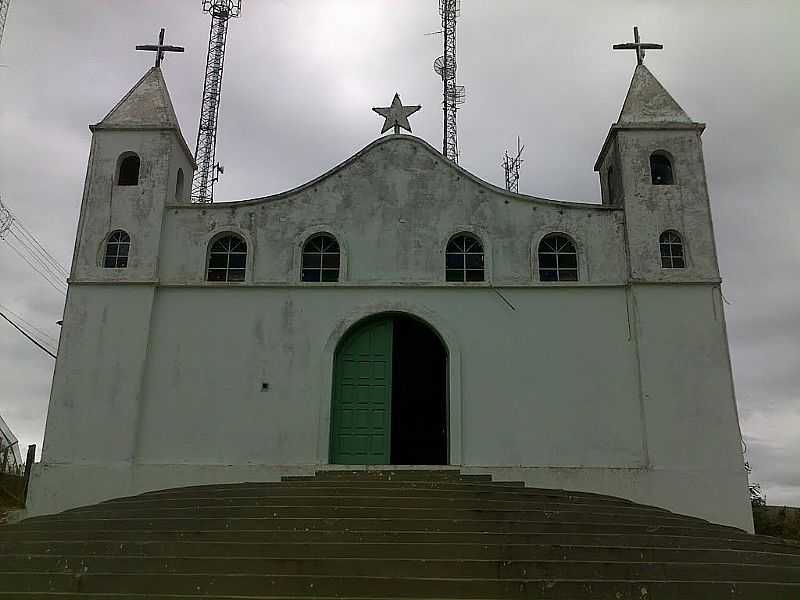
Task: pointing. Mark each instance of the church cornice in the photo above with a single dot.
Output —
(483, 285)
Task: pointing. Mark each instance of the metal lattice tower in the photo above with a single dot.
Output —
(511, 165)
(208, 170)
(6, 220)
(4, 4)
(445, 67)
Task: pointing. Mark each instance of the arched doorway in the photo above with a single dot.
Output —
(389, 402)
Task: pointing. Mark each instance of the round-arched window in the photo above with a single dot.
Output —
(464, 259)
(179, 183)
(227, 258)
(558, 258)
(671, 245)
(118, 246)
(321, 259)
(128, 171)
(661, 169)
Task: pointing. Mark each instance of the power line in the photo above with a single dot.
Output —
(31, 250)
(23, 332)
(42, 249)
(43, 336)
(47, 266)
(55, 286)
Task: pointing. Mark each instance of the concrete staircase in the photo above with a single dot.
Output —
(382, 534)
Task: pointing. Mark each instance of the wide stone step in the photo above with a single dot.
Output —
(422, 534)
(313, 486)
(303, 586)
(542, 524)
(737, 541)
(406, 500)
(599, 570)
(403, 475)
(440, 551)
(375, 512)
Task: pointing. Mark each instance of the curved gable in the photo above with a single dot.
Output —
(387, 142)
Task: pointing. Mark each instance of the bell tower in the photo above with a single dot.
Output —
(652, 165)
(138, 164)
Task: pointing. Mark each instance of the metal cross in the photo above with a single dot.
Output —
(160, 48)
(638, 46)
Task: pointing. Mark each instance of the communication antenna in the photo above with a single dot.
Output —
(445, 67)
(4, 4)
(512, 166)
(207, 174)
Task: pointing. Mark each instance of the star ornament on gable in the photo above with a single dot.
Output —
(396, 115)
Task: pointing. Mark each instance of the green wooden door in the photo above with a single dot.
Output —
(362, 396)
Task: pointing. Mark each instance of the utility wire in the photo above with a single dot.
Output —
(55, 286)
(46, 266)
(42, 250)
(31, 250)
(23, 332)
(42, 335)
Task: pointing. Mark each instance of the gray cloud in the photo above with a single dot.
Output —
(302, 75)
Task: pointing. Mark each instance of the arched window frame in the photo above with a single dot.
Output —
(611, 186)
(662, 154)
(240, 273)
(466, 270)
(307, 269)
(124, 182)
(672, 250)
(180, 185)
(116, 250)
(540, 265)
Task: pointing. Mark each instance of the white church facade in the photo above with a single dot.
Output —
(397, 310)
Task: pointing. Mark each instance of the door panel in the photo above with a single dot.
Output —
(362, 396)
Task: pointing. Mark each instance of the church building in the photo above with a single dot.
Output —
(397, 310)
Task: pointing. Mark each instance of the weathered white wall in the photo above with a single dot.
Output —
(554, 383)
(598, 385)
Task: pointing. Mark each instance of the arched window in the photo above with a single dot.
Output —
(227, 258)
(672, 256)
(128, 171)
(558, 258)
(464, 259)
(179, 185)
(612, 186)
(661, 169)
(321, 259)
(118, 246)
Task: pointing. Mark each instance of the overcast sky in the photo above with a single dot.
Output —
(302, 75)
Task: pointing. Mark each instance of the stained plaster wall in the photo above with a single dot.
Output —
(393, 208)
(586, 386)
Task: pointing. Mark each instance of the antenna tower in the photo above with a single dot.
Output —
(445, 67)
(511, 166)
(4, 4)
(208, 170)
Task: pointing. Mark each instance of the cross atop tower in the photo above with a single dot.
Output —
(638, 46)
(160, 48)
